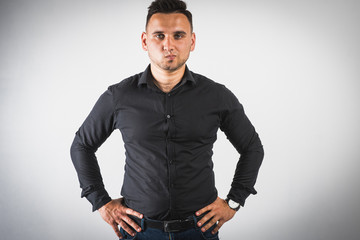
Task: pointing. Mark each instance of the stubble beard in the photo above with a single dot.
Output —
(167, 65)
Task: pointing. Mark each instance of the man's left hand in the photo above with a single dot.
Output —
(219, 212)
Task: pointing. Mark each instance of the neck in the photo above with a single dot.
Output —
(166, 80)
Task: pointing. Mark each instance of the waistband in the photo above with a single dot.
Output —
(168, 226)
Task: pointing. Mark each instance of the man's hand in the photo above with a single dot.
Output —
(219, 212)
(115, 213)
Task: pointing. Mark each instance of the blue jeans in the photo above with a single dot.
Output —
(156, 234)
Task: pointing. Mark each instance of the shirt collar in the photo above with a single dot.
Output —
(147, 78)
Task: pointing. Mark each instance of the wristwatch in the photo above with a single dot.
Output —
(232, 204)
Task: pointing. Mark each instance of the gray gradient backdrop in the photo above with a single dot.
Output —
(295, 65)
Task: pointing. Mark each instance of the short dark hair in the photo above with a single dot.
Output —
(168, 6)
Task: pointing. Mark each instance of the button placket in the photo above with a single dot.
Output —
(169, 115)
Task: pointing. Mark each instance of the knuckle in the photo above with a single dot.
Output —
(132, 223)
(123, 224)
(127, 229)
(126, 219)
(118, 220)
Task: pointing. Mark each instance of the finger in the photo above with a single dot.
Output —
(132, 223)
(205, 218)
(209, 224)
(116, 230)
(203, 210)
(118, 219)
(127, 229)
(218, 226)
(130, 211)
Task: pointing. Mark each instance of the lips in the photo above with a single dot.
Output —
(170, 57)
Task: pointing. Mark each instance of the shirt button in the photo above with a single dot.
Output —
(168, 116)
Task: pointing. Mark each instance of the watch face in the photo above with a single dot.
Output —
(233, 204)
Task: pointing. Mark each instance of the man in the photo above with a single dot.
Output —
(168, 117)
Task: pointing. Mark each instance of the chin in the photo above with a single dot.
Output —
(167, 67)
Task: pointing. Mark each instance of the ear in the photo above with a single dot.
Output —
(143, 41)
(193, 40)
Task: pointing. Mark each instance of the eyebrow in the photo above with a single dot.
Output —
(180, 32)
(176, 32)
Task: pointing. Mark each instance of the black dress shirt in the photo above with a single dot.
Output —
(168, 142)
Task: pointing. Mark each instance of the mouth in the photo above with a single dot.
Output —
(170, 57)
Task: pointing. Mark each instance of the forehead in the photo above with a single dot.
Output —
(168, 21)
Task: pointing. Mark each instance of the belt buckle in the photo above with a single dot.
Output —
(172, 226)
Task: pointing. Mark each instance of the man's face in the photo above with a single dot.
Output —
(168, 40)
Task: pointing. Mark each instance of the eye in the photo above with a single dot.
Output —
(160, 36)
(178, 36)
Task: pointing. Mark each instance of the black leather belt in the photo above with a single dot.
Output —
(169, 226)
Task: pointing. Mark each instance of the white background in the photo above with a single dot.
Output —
(295, 66)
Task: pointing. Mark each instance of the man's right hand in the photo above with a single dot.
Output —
(115, 214)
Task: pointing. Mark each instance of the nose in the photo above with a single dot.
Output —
(168, 44)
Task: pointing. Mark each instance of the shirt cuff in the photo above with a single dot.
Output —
(97, 198)
(240, 194)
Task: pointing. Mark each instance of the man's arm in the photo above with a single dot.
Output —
(241, 133)
(96, 128)
(94, 131)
